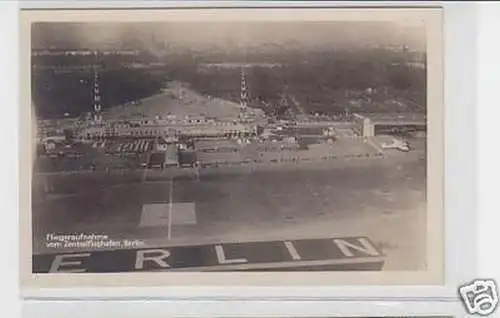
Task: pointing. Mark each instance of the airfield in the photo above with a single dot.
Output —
(382, 200)
(354, 189)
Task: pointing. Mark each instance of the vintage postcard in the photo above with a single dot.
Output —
(238, 145)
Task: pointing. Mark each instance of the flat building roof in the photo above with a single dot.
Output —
(395, 117)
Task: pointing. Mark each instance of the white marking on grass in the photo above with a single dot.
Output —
(293, 252)
(153, 215)
(166, 214)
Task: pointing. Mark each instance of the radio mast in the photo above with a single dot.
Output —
(243, 92)
(96, 94)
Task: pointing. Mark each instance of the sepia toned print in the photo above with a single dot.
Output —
(177, 141)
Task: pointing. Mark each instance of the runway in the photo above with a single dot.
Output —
(382, 202)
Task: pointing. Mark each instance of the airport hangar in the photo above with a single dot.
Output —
(371, 124)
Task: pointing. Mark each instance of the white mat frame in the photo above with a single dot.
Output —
(261, 309)
(460, 197)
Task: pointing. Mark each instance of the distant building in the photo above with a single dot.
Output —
(161, 146)
(198, 120)
(50, 145)
(267, 134)
(171, 139)
(54, 139)
(236, 65)
(290, 140)
(330, 132)
(81, 52)
(368, 125)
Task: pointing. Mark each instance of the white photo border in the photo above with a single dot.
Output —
(460, 197)
(233, 309)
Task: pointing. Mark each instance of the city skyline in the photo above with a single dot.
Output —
(336, 34)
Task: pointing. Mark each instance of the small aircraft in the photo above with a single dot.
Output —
(397, 144)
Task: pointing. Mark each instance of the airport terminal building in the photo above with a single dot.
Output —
(163, 129)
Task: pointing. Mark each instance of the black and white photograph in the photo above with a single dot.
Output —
(233, 144)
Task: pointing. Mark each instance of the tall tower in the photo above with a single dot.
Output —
(96, 98)
(243, 92)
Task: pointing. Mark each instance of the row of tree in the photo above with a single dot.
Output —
(56, 94)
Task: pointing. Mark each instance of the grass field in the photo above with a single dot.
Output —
(385, 202)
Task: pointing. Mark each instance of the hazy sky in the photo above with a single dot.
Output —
(242, 33)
